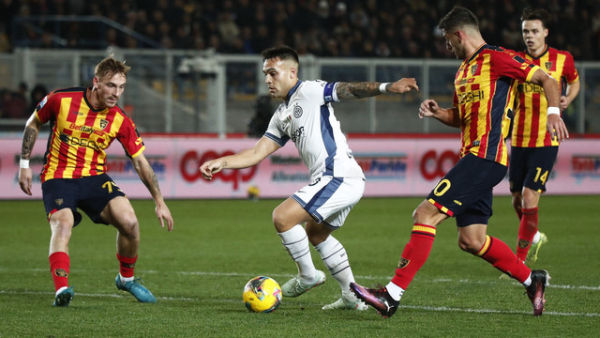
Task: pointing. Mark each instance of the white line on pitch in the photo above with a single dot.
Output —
(412, 307)
(375, 278)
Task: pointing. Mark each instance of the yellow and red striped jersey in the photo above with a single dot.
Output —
(529, 123)
(483, 95)
(80, 134)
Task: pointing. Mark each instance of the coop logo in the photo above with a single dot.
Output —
(583, 166)
(435, 165)
(383, 166)
(191, 162)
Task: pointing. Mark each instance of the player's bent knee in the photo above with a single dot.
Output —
(469, 245)
(128, 226)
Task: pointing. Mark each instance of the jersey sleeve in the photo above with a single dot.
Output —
(130, 138)
(508, 63)
(570, 72)
(48, 108)
(275, 133)
(320, 92)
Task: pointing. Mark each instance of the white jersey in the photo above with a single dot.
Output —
(306, 117)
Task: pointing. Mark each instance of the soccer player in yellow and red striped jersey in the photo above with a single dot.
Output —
(482, 85)
(85, 121)
(533, 149)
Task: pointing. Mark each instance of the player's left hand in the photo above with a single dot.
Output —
(403, 86)
(564, 103)
(164, 215)
(556, 127)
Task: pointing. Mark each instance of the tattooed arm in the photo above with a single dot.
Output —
(147, 175)
(357, 90)
(32, 129)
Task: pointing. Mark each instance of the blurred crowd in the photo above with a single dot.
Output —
(325, 28)
(339, 28)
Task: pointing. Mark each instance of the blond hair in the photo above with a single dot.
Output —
(110, 66)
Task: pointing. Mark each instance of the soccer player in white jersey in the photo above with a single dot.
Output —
(336, 181)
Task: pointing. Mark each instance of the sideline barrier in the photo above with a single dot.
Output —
(393, 167)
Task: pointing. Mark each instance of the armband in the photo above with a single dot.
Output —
(24, 164)
(553, 111)
(383, 87)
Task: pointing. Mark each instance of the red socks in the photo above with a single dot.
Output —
(127, 265)
(59, 267)
(527, 229)
(501, 256)
(415, 254)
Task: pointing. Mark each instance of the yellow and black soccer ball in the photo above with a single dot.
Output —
(262, 294)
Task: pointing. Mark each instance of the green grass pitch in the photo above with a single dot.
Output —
(198, 271)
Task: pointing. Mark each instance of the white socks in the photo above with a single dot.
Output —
(335, 258)
(295, 241)
(395, 291)
(126, 279)
(536, 238)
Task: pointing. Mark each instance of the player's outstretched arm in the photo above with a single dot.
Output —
(146, 174)
(245, 158)
(554, 123)
(32, 129)
(357, 90)
(448, 116)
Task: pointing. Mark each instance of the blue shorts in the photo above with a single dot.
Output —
(466, 190)
(531, 167)
(90, 194)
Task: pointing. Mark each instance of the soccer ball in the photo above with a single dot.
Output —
(262, 294)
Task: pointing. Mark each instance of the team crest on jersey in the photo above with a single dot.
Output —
(297, 111)
(58, 201)
(548, 65)
(103, 123)
(403, 263)
(474, 70)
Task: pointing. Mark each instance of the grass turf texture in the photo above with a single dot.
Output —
(198, 271)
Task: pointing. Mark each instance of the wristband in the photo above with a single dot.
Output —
(383, 87)
(24, 164)
(553, 111)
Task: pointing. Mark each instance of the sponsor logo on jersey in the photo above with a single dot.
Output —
(472, 96)
(297, 134)
(76, 141)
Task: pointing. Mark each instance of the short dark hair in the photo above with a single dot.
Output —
(536, 14)
(458, 16)
(282, 52)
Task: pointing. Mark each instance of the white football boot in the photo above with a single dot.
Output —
(295, 286)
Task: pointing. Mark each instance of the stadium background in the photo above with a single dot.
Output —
(198, 271)
(196, 89)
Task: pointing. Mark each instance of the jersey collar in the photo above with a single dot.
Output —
(292, 91)
(537, 57)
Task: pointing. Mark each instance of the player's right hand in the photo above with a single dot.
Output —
(428, 108)
(25, 180)
(211, 167)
